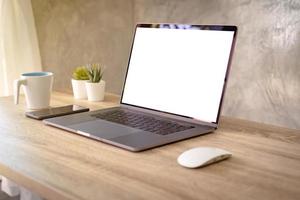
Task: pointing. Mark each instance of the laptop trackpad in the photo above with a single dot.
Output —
(103, 129)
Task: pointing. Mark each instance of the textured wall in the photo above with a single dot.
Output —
(76, 32)
(264, 84)
(265, 79)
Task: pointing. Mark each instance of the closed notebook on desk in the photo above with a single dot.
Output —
(174, 87)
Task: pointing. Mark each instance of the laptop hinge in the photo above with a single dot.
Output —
(167, 115)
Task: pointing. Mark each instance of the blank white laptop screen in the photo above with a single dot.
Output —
(179, 71)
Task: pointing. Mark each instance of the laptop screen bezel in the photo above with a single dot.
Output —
(201, 27)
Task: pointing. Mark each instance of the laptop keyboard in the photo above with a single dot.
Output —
(143, 122)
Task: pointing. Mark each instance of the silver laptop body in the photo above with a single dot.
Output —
(158, 105)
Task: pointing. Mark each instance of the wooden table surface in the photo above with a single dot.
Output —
(61, 165)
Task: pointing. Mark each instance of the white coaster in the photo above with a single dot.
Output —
(9, 187)
(28, 195)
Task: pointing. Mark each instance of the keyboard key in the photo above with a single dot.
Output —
(143, 122)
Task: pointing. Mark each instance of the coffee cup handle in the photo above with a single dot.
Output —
(17, 84)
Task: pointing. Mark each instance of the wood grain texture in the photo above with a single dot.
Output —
(61, 165)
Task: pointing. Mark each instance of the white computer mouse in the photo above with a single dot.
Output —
(202, 156)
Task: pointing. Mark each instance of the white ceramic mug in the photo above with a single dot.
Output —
(37, 88)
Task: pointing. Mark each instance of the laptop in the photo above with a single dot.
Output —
(173, 90)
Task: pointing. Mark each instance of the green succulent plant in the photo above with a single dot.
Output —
(95, 72)
(80, 73)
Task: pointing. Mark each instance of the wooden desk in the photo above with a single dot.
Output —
(61, 165)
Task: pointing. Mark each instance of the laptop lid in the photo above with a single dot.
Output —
(179, 69)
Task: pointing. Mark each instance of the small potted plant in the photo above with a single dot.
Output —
(95, 86)
(80, 76)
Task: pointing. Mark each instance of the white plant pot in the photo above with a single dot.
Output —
(79, 89)
(95, 91)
